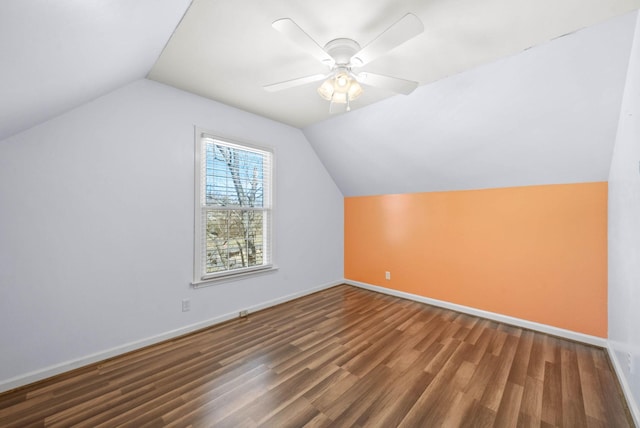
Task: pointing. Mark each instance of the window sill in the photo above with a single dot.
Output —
(232, 277)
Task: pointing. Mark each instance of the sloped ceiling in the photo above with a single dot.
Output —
(548, 115)
(227, 50)
(56, 55)
(514, 117)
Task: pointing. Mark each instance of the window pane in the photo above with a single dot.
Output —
(235, 239)
(233, 177)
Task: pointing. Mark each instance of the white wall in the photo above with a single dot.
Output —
(624, 234)
(96, 228)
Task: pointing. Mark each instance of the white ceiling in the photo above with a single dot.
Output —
(58, 54)
(227, 50)
(489, 113)
(545, 116)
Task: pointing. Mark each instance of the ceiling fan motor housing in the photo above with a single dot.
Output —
(342, 51)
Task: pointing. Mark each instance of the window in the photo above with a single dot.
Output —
(233, 208)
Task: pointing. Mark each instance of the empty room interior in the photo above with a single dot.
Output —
(279, 213)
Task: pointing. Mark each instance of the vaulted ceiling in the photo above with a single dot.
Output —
(545, 116)
(57, 55)
(228, 50)
(504, 99)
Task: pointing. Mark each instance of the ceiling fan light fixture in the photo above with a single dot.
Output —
(340, 88)
(355, 90)
(342, 82)
(326, 89)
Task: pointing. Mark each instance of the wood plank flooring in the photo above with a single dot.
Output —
(343, 357)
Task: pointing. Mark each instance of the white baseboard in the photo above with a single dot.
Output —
(47, 372)
(555, 331)
(626, 389)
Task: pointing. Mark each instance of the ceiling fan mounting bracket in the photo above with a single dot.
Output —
(342, 50)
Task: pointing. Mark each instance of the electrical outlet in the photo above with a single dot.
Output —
(387, 275)
(243, 314)
(186, 305)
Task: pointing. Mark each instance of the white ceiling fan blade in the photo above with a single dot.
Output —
(297, 35)
(402, 30)
(294, 82)
(395, 84)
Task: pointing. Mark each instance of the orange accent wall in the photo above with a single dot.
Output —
(537, 253)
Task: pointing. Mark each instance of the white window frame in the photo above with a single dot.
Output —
(200, 277)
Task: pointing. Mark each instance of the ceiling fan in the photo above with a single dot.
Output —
(342, 56)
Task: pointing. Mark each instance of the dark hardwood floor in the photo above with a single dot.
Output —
(342, 357)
